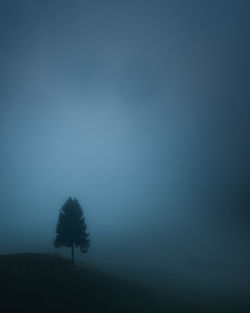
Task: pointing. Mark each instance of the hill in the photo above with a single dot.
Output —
(44, 283)
(40, 283)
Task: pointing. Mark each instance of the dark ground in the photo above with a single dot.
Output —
(43, 283)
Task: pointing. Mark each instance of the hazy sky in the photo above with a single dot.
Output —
(140, 109)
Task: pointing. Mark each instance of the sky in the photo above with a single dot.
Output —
(140, 110)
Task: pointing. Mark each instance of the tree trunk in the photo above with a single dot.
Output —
(73, 254)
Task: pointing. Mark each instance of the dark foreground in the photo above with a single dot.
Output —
(43, 283)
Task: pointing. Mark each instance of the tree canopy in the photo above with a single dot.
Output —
(71, 230)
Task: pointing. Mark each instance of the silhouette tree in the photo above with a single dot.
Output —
(71, 228)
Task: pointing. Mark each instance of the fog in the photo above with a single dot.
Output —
(140, 110)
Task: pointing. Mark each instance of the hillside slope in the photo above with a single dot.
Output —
(39, 283)
(43, 283)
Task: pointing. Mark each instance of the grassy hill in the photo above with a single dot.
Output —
(44, 283)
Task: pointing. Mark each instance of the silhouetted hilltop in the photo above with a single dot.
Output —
(44, 283)
(40, 283)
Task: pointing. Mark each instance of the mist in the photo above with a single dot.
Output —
(140, 110)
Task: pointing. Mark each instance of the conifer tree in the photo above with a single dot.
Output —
(71, 228)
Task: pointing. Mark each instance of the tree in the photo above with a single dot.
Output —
(71, 228)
